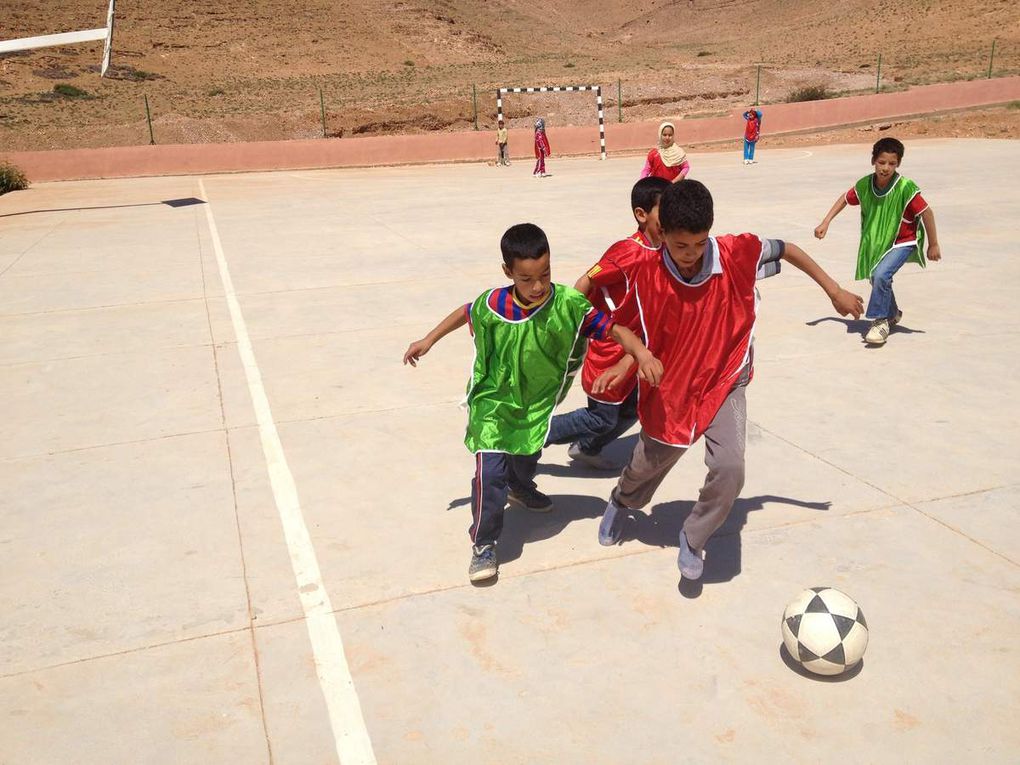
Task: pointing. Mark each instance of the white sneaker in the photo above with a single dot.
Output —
(895, 319)
(878, 333)
(596, 461)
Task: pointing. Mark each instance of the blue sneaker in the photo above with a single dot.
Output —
(611, 528)
(483, 563)
(690, 562)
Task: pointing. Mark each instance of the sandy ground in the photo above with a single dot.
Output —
(219, 481)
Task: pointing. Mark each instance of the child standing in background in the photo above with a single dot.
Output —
(541, 148)
(752, 130)
(503, 157)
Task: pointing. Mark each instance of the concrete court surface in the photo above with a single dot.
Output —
(151, 610)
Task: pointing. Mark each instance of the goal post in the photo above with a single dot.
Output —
(597, 89)
(69, 38)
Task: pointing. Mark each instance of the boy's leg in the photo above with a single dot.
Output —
(596, 418)
(521, 480)
(649, 464)
(624, 415)
(881, 304)
(488, 497)
(724, 457)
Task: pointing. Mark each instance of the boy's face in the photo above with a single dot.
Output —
(885, 166)
(686, 248)
(648, 222)
(531, 277)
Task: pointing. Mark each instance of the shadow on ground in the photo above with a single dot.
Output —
(860, 326)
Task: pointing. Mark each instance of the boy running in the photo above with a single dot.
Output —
(529, 340)
(891, 206)
(697, 306)
(611, 413)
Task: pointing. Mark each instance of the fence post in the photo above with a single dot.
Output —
(148, 117)
(322, 110)
(619, 101)
(474, 103)
(991, 58)
(757, 87)
(878, 74)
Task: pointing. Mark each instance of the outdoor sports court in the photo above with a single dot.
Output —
(234, 527)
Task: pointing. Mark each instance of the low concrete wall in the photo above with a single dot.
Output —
(185, 159)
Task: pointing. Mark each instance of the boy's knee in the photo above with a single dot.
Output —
(603, 421)
(731, 472)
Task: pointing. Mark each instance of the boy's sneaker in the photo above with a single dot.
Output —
(596, 461)
(483, 563)
(611, 528)
(691, 564)
(893, 321)
(531, 499)
(878, 333)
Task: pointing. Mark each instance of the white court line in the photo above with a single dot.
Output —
(353, 745)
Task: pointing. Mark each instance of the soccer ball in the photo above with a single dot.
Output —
(824, 630)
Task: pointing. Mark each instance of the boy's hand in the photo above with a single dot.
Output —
(934, 252)
(821, 230)
(649, 368)
(846, 302)
(415, 351)
(612, 376)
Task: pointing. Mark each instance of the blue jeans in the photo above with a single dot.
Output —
(749, 149)
(595, 426)
(882, 304)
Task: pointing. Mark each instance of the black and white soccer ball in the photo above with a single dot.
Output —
(824, 631)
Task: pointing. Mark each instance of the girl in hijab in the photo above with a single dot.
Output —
(541, 148)
(667, 160)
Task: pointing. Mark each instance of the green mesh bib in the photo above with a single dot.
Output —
(522, 370)
(880, 222)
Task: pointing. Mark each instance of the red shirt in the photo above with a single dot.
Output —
(609, 289)
(660, 170)
(541, 144)
(908, 223)
(700, 332)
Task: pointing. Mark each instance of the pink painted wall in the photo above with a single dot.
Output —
(131, 161)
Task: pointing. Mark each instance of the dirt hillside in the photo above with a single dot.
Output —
(230, 70)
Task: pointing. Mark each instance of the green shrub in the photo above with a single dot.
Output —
(69, 91)
(809, 93)
(408, 62)
(569, 65)
(704, 53)
(11, 178)
(1013, 105)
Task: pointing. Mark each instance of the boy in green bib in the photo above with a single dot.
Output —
(530, 339)
(891, 208)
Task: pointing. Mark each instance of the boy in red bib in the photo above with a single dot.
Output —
(610, 413)
(696, 305)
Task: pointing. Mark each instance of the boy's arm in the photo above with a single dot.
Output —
(649, 367)
(457, 319)
(928, 218)
(844, 301)
(583, 285)
(836, 210)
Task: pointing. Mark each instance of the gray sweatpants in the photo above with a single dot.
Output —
(724, 456)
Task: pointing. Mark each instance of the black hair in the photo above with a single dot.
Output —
(686, 206)
(890, 145)
(646, 192)
(525, 241)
